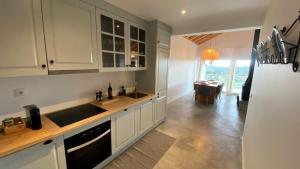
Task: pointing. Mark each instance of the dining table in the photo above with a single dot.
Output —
(213, 86)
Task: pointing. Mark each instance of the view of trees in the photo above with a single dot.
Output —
(219, 70)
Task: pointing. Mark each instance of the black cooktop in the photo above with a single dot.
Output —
(74, 114)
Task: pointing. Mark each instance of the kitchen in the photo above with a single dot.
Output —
(109, 84)
(63, 52)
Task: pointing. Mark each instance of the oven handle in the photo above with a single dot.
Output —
(87, 143)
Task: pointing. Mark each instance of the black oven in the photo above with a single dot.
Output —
(88, 148)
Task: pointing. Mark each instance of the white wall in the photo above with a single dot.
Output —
(272, 129)
(182, 65)
(50, 90)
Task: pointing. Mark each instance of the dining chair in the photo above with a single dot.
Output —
(205, 92)
(219, 91)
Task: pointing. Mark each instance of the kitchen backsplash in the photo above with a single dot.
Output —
(55, 89)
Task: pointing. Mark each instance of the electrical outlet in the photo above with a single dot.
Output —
(19, 92)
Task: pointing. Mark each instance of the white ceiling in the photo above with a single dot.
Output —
(201, 16)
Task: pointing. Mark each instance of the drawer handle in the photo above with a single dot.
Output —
(125, 109)
(48, 142)
(88, 143)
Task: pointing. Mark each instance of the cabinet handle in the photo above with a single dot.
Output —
(44, 66)
(48, 142)
(51, 61)
(125, 109)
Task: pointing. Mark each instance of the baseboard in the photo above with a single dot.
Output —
(178, 96)
(243, 160)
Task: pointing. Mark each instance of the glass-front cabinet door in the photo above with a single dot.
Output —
(112, 42)
(137, 43)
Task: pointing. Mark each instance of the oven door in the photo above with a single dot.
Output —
(89, 148)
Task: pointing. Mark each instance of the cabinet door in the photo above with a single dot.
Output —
(137, 48)
(162, 70)
(161, 104)
(123, 128)
(146, 116)
(112, 41)
(163, 38)
(35, 157)
(22, 46)
(70, 33)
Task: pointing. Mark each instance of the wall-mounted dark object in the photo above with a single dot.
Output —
(248, 83)
(294, 47)
(33, 117)
(276, 49)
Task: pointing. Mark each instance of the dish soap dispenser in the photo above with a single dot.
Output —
(110, 92)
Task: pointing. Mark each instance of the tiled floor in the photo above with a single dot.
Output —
(207, 137)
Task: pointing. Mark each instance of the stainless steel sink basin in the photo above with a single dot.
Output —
(136, 95)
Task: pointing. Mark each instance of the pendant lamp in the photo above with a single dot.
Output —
(210, 53)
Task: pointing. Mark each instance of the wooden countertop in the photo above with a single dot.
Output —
(28, 137)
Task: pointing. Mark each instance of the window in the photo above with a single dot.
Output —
(217, 70)
(233, 73)
(240, 75)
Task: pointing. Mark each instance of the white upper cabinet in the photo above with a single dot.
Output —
(70, 34)
(162, 70)
(22, 50)
(112, 41)
(121, 44)
(163, 38)
(137, 48)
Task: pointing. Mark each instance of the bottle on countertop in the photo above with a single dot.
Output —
(110, 92)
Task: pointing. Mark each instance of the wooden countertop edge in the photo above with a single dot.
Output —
(51, 130)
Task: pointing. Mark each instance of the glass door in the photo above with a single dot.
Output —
(137, 47)
(217, 70)
(241, 72)
(113, 42)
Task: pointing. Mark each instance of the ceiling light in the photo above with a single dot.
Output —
(183, 12)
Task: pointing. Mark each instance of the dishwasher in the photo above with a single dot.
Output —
(89, 148)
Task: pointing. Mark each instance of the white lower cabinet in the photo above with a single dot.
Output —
(129, 124)
(160, 108)
(123, 126)
(146, 116)
(39, 156)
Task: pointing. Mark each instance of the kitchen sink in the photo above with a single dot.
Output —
(136, 95)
